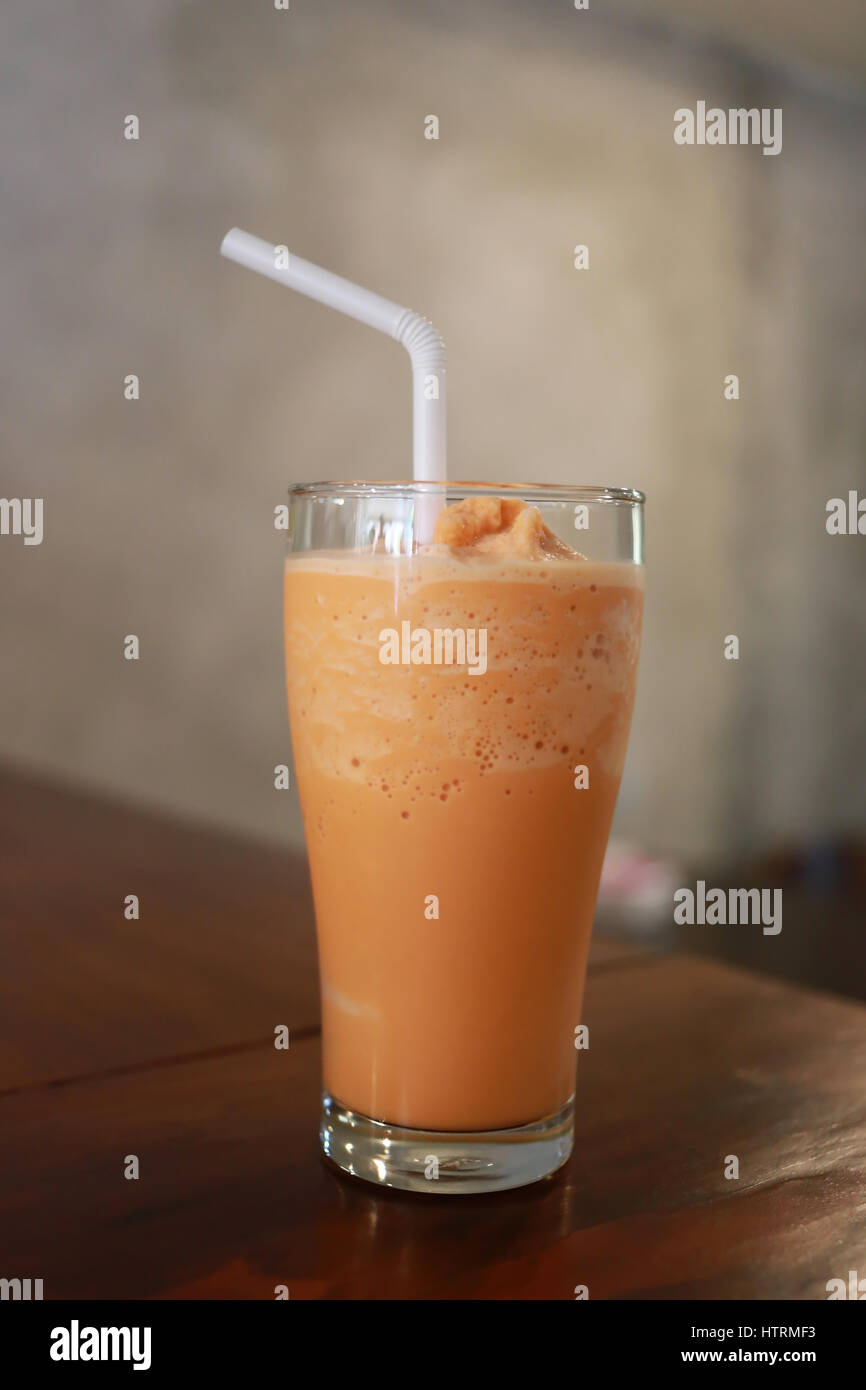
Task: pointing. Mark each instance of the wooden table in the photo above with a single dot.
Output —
(155, 1038)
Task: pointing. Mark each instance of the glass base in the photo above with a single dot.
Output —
(419, 1160)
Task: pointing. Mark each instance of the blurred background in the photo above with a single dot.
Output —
(306, 126)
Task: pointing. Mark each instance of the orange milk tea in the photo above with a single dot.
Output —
(457, 813)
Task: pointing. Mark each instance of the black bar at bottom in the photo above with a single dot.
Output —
(159, 1339)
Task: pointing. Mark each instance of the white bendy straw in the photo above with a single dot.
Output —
(418, 336)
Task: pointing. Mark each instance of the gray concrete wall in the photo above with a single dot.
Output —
(307, 127)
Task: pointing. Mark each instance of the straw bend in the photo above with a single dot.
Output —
(421, 340)
(418, 336)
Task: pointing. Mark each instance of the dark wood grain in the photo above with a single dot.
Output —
(223, 951)
(688, 1062)
(155, 1039)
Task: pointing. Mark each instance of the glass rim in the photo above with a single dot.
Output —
(565, 492)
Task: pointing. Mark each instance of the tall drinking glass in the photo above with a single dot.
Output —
(461, 662)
